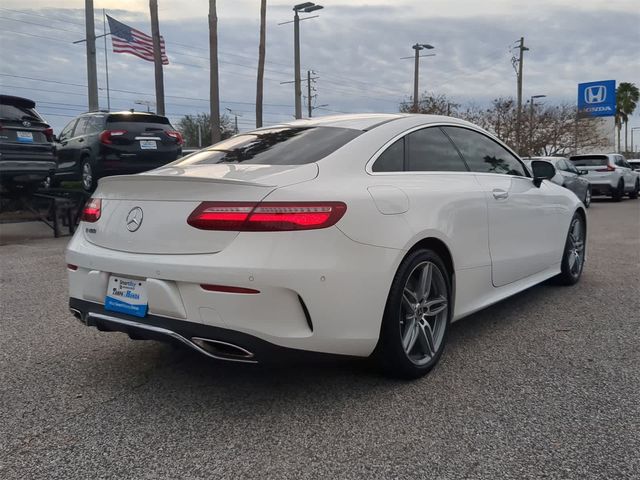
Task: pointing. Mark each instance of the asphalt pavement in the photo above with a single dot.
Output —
(543, 385)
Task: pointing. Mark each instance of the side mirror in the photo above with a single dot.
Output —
(542, 171)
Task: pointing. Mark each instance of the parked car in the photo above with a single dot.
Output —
(99, 144)
(609, 174)
(568, 176)
(26, 144)
(359, 235)
(635, 164)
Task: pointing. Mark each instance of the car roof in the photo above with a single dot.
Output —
(21, 101)
(366, 121)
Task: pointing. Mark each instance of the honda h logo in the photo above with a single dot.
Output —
(595, 94)
(134, 219)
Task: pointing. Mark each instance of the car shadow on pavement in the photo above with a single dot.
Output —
(189, 375)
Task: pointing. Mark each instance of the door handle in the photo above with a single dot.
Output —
(499, 194)
(80, 140)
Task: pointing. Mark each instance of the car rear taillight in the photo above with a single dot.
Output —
(609, 168)
(92, 210)
(266, 216)
(106, 136)
(48, 132)
(177, 136)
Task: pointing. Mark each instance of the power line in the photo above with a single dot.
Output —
(234, 102)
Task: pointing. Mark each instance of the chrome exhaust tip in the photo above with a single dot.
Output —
(222, 349)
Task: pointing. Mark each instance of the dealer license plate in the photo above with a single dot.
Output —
(148, 145)
(24, 137)
(126, 295)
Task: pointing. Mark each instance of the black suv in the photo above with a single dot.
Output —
(26, 144)
(99, 144)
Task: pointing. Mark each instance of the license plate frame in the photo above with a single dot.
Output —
(127, 295)
(148, 145)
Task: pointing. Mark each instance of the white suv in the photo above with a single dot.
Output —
(609, 174)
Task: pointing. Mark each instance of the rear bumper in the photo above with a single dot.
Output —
(25, 171)
(319, 291)
(601, 189)
(221, 344)
(119, 163)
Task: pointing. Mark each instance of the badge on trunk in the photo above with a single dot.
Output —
(134, 219)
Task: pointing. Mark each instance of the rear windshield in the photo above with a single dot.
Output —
(133, 118)
(275, 146)
(590, 161)
(18, 113)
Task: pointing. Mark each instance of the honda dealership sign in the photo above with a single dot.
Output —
(597, 99)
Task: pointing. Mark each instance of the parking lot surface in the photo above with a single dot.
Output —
(543, 385)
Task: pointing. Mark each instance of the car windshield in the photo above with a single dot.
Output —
(275, 146)
(18, 113)
(590, 161)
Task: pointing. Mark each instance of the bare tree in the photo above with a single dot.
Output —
(261, 58)
(431, 104)
(214, 93)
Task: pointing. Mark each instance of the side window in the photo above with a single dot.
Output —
(482, 154)
(570, 167)
(81, 127)
(392, 159)
(65, 134)
(94, 124)
(561, 165)
(431, 151)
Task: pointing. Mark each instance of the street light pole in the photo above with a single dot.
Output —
(296, 56)
(305, 7)
(533, 97)
(416, 72)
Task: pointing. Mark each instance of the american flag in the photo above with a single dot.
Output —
(125, 39)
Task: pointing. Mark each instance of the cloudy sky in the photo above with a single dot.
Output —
(354, 47)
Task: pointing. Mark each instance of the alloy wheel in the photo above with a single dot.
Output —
(575, 252)
(424, 312)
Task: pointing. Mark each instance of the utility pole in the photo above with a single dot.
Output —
(306, 7)
(309, 93)
(416, 74)
(92, 73)
(296, 56)
(214, 93)
(261, 59)
(157, 56)
(520, 60)
(416, 71)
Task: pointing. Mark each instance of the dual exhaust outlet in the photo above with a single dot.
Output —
(209, 347)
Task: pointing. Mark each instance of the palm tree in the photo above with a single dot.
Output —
(627, 97)
(261, 57)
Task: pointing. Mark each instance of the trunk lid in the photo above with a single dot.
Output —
(166, 197)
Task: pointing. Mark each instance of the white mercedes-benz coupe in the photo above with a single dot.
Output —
(357, 235)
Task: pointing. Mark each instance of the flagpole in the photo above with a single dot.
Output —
(106, 61)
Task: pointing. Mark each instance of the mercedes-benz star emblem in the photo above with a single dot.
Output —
(134, 219)
(26, 123)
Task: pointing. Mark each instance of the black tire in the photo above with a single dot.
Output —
(618, 193)
(572, 271)
(88, 176)
(587, 198)
(390, 352)
(634, 193)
